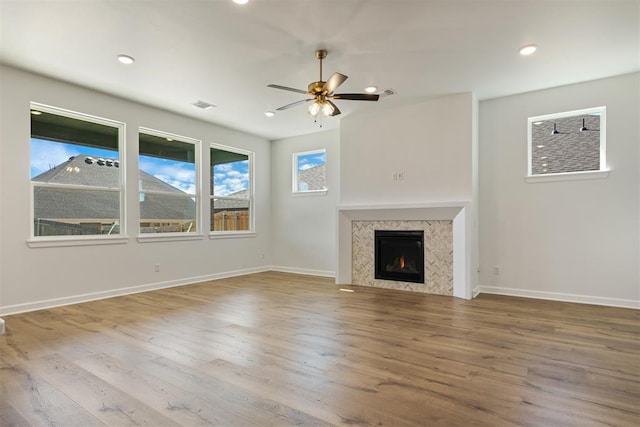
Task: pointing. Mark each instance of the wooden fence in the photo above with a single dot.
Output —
(228, 220)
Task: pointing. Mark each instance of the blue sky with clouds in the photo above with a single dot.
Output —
(308, 161)
(228, 178)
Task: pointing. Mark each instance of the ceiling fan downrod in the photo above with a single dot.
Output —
(321, 54)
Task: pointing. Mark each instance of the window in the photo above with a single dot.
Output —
(167, 182)
(231, 189)
(76, 178)
(310, 171)
(565, 144)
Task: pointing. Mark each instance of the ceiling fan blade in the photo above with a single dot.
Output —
(336, 110)
(334, 81)
(294, 104)
(356, 96)
(290, 89)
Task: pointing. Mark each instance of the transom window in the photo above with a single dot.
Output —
(167, 182)
(310, 171)
(76, 175)
(567, 143)
(231, 189)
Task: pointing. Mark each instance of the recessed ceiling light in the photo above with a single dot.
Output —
(241, 1)
(269, 113)
(371, 89)
(539, 146)
(537, 123)
(528, 49)
(126, 59)
(36, 112)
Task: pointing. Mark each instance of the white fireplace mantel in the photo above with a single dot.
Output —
(457, 212)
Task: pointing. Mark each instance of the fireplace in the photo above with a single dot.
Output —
(399, 255)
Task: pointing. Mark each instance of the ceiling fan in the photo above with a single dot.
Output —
(323, 92)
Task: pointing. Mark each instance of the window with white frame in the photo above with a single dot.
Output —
(168, 182)
(76, 176)
(569, 143)
(231, 189)
(310, 171)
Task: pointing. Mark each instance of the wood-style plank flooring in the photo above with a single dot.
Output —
(276, 349)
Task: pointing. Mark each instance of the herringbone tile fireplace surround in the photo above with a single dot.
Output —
(447, 239)
(438, 255)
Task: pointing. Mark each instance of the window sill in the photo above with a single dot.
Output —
(231, 234)
(309, 193)
(568, 176)
(167, 237)
(77, 241)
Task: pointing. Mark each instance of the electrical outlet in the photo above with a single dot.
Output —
(400, 176)
(156, 268)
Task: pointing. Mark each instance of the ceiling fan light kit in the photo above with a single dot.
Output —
(323, 92)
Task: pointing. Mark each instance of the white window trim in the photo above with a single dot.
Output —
(309, 193)
(232, 234)
(603, 172)
(227, 234)
(61, 241)
(294, 174)
(167, 237)
(69, 240)
(568, 176)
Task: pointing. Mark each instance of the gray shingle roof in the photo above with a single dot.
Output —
(68, 203)
(314, 177)
(570, 150)
(240, 201)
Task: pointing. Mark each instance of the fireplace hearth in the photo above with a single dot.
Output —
(399, 255)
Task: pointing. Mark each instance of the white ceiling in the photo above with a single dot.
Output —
(226, 54)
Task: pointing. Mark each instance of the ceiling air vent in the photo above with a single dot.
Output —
(203, 104)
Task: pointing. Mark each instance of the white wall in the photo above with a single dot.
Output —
(570, 240)
(430, 142)
(303, 226)
(433, 144)
(35, 277)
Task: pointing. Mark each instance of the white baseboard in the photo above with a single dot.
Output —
(57, 302)
(556, 296)
(305, 271)
(475, 292)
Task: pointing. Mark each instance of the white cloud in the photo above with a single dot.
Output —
(224, 167)
(186, 186)
(306, 166)
(177, 174)
(45, 156)
(227, 178)
(230, 178)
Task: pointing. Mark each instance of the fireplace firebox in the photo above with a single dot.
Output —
(399, 255)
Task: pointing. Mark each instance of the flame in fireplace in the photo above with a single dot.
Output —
(402, 261)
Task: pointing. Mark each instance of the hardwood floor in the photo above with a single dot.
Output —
(276, 349)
